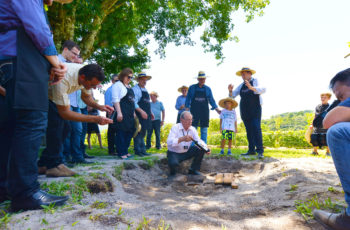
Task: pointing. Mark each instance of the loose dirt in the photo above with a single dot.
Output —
(263, 200)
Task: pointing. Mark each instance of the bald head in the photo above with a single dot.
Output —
(186, 119)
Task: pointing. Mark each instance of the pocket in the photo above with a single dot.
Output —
(6, 72)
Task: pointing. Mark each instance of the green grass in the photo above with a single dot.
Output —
(274, 153)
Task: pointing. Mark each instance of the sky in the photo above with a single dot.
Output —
(296, 47)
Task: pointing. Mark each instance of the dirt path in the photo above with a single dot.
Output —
(262, 201)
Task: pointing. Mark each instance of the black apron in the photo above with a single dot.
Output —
(250, 103)
(32, 75)
(145, 105)
(200, 108)
(127, 107)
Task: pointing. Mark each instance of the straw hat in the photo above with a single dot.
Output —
(201, 74)
(137, 127)
(239, 73)
(182, 87)
(143, 74)
(63, 1)
(327, 94)
(154, 93)
(222, 102)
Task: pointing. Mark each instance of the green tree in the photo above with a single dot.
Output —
(120, 29)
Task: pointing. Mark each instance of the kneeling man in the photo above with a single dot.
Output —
(181, 145)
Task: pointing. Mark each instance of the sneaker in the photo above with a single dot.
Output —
(60, 171)
(229, 152)
(222, 152)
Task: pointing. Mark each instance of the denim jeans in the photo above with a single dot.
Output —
(83, 133)
(338, 139)
(139, 142)
(156, 127)
(174, 159)
(254, 135)
(72, 144)
(123, 142)
(56, 133)
(204, 133)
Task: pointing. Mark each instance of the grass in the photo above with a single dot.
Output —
(269, 152)
(305, 207)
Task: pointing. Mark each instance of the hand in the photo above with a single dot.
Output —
(187, 138)
(247, 83)
(230, 88)
(208, 153)
(161, 123)
(152, 116)
(106, 108)
(218, 111)
(144, 115)
(58, 73)
(119, 117)
(103, 120)
(182, 106)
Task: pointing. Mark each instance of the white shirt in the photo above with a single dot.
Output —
(228, 118)
(59, 93)
(260, 90)
(178, 131)
(118, 91)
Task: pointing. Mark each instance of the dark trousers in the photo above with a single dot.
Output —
(83, 134)
(156, 127)
(21, 133)
(139, 141)
(174, 159)
(123, 142)
(254, 135)
(56, 133)
(111, 138)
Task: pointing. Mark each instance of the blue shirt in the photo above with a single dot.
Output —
(157, 107)
(138, 94)
(108, 96)
(30, 15)
(80, 102)
(191, 94)
(180, 101)
(345, 103)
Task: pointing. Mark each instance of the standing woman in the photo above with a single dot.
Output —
(180, 102)
(250, 108)
(123, 99)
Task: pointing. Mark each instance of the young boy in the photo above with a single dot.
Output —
(228, 123)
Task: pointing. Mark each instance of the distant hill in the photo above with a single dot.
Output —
(288, 121)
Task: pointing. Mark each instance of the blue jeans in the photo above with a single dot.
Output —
(156, 127)
(139, 142)
(72, 144)
(338, 139)
(83, 133)
(254, 135)
(123, 142)
(204, 133)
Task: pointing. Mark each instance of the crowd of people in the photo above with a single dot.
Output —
(46, 93)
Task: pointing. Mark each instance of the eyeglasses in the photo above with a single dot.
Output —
(130, 77)
(75, 54)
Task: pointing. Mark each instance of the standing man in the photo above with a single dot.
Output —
(180, 102)
(158, 121)
(250, 108)
(143, 112)
(337, 121)
(111, 132)
(198, 97)
(180, 146)
(27, 55)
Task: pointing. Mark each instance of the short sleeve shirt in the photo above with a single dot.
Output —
(59, 93)
(228, 119)
(157, 107)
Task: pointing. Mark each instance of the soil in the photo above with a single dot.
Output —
(263, 200)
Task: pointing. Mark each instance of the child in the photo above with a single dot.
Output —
(228, 122)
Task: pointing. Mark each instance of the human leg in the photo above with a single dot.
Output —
(99, 140)
(111, 139)
(250, 137)
(88, 139)
(173, 161)
(156, 127)
(257, 134)
(75, 138)
(204, 134)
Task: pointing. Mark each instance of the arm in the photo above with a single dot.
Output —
(336, 115)
(236, 127)
(163, 118)
(211, 100)
(119, 111)
(177, 105)
(89, 101)
(189, 96)
(67, 114)
(256, 88)
(2, 91)
(234, 93)
(220, 125)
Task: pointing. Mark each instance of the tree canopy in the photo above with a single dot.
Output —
(115, 33)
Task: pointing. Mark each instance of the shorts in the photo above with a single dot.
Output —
(227, 134)
(92, 128)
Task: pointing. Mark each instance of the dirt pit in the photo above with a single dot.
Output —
(264, 198)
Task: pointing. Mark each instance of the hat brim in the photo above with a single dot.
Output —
(347, 55)
(155, 94)
(201, 77)
(222, 102)
(180, 89)
(148, 77)
(239, 73)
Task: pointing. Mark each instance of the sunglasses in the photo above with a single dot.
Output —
(130, 77)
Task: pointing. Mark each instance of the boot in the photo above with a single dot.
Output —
(60, 171)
